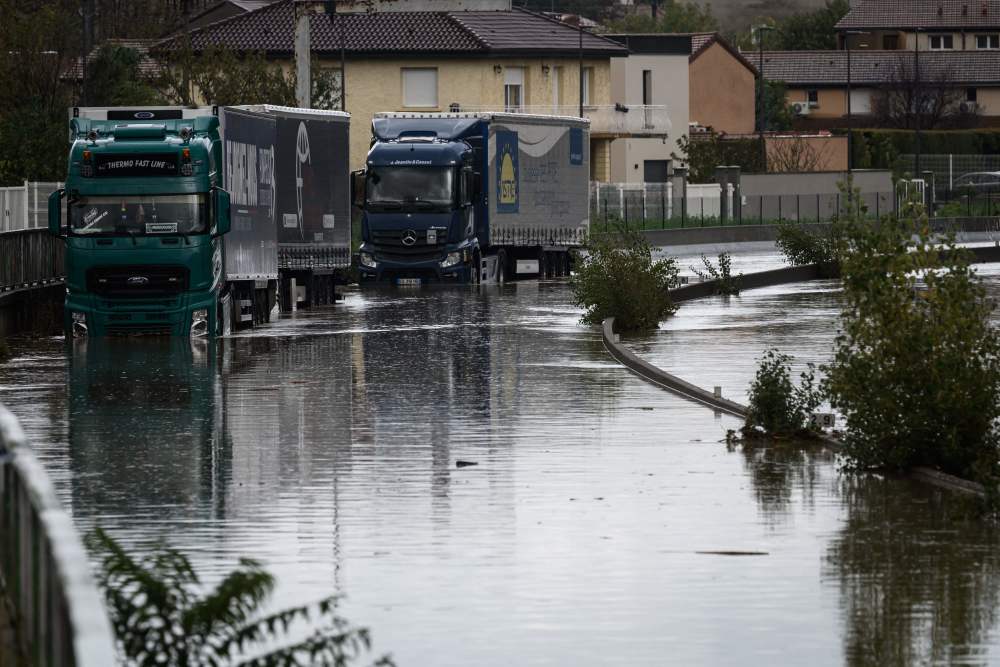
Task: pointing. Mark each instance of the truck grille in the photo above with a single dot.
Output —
(139, 329)
(137, 281)
(389, 246)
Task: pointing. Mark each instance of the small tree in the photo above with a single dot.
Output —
(619, 278)
(794, 154)
(115, 79)
(909, 99)
(725, 283)
(779, 408)
(161, 616)
(916, 370)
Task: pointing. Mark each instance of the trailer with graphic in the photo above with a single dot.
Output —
(472, 196)
(192, 221)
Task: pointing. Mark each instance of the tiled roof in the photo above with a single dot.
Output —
(829, 68)
(923, 14)
(700, 41)
(147, 66)
(272, 29)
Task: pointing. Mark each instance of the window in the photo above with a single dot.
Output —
(588, 83)
(513, 89)
(941, 42)
(971, 96)
(139, 214)
(557, 93)
(988, 41)
(890, 42)
(656, 171)
(420, 87)
(647, 86)
(812, 96)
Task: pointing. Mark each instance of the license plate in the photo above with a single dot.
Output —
(407, 281)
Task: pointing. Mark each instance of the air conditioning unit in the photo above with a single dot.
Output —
(801, 108)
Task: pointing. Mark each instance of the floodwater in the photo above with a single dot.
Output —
(605, 523)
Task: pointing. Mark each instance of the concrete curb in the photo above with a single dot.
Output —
(666, 380)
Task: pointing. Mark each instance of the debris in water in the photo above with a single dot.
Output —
(733, 553)
(465, 464)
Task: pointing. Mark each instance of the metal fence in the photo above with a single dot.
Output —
(654, 206)
(30, 257)
(948, 169)
(25, 206)
(44, 570)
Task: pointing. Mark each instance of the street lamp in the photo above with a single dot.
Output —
(762, 104)
(850, 118)
(916, 97)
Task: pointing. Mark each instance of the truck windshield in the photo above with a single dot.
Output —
(417, 188)
(139, 214)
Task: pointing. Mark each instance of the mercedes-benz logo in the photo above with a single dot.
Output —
(409, 237)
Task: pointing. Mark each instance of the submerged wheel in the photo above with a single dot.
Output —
(476, 268)
(501, 267)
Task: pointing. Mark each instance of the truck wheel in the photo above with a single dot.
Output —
(501, 267)
(475, 269)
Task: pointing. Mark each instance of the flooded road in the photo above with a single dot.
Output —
(605, 522)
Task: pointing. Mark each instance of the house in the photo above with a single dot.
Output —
(817, 81)
(722, 84)
(927, 25)
(651, 80)
(441, 61)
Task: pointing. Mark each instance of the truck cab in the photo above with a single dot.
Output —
(142, 214)
(423, 215)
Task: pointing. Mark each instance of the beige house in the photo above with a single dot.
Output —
(927, 25)
(722, 84)
(817, 81)
(440, 61)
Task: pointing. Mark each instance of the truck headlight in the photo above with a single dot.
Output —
(452, 259)
(199, 322)
(79, 325)
(367, 260)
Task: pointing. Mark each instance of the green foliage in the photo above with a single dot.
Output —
(803, 245)
(725, 283)
(114, 79)
(161, 616)
(777, 113)
(880, 149)
(619, 278)
(704, 153)
(802, 31)
(38, 43)
(779, 408)
(916, 371)
(672, 16)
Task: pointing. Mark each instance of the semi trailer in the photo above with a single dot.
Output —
(196, 221)
(469, 197)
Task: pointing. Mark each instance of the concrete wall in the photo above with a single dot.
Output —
(721, 92)
(809, 153)
(868, 180)
(670, 88)
(832, 101)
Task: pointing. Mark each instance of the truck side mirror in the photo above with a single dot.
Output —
(55, 213)
(222, 220)
(358, 188)
(469, 194)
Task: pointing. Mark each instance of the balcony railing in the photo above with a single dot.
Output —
(617, 120)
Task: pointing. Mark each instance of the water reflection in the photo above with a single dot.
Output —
(784, 474)
(919, 575)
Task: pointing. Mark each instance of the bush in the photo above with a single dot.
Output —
(802, 245)
(725, 283)
(619, 278)
(161, 617)
(916, 371)
(777, 407)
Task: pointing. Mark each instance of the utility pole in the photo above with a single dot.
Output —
(916, 97)
(88, 46)
(850, 118)
(762, 101)
(579, 23)
(303, 54)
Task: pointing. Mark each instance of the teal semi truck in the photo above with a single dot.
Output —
(196, 221)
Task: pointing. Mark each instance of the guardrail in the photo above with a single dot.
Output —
(59, 613)
(30, 258)
(25, 206)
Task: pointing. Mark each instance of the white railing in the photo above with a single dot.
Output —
(614, 119)
(25, 206)
(44, 570)
(653, 201)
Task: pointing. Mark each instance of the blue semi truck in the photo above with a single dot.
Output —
(470, 197)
